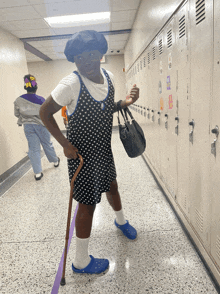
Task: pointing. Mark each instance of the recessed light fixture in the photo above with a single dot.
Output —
(78, 20)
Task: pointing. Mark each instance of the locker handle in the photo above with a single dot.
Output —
(192, 123)
(158, 112)
(148, 109)
(177, 118)
(166, 115)
(215, 131)
(152, 110)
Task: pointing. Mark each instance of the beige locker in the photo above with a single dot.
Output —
(214, 138)
(201, 53)
(168, 137)
(153, 101)
(182, 69)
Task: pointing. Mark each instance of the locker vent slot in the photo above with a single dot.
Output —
(199, 220)
(160, 46)
(184, 203)
(148, 54)
(154, 53)
(169, 39)
(200, 11)
(182, 27)
(140, 64)
(218, 247)
(138, 67)
(144, 61)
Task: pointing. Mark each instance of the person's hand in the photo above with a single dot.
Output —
(134, 95)
(70, 151)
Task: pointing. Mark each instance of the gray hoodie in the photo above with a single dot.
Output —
(27, 107)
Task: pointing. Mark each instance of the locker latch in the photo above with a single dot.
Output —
(148, 115)
(158, 118)
(152, 115)
(213, 145)
(192, 123)
(166, 122)
(177, 127)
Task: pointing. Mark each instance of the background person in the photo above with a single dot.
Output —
(26, 108)
(88, 94)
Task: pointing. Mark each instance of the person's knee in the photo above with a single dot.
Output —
(114, 187)
(85, 209)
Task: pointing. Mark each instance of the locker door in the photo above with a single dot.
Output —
(183, 102)
(215, 160)
(168, 154)
(149, 103)
(154, 102)
(161, 86)
(201, 55)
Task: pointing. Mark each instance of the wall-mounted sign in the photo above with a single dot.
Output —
(168, 83)
(169, 61)
(161, 104)
(170, 102)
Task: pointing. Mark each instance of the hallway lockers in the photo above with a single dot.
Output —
(179, 93)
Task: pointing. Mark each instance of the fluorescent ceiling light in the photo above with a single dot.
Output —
(78, 20)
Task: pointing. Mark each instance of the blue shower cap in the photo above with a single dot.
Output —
(82, 41)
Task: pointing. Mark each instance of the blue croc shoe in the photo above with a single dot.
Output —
(127, 230)
(96, 266)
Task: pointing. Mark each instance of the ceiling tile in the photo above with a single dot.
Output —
(31, 24)
(33, 33)
(13, 3)
(124, 4)
(121, 25)
(73, 7)
(18, 13)
(49, 1)
(8, 25)
(73, 30)
(119, 16)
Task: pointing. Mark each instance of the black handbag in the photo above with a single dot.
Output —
(131, 134)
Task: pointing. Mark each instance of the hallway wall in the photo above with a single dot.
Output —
(13, 67)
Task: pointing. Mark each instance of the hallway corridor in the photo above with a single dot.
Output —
(32, 236)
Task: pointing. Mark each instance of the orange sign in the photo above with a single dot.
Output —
(170, 102)
(161, 104)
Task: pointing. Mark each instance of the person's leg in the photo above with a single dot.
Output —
(34, 148)
(44, 136)
(120, 222)
(83, 225)
(115, 202)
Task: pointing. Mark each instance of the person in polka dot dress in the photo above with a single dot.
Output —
(88, 94)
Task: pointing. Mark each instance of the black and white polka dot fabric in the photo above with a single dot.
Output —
(90, 131)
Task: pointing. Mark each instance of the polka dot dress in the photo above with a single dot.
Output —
(90, 131)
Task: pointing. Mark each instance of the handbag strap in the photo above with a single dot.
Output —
(129, 112)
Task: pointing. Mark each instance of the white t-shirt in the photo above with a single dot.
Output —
(67, 91)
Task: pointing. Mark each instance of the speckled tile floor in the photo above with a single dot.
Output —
(32, 236)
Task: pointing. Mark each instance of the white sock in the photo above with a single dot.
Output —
(38, 175)
(82, 258)
(120, 217)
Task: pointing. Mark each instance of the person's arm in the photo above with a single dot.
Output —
(16, 110)
(132, 98)
(47, 110)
